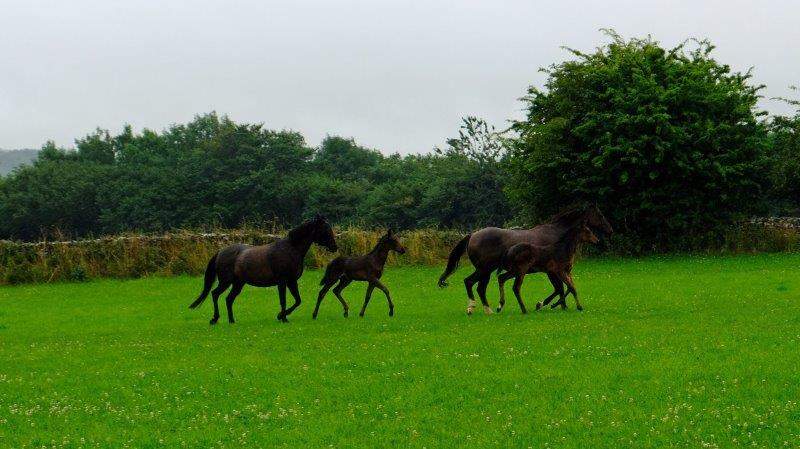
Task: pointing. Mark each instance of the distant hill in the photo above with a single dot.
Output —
(10, 159)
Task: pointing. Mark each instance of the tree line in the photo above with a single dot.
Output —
(668, 142)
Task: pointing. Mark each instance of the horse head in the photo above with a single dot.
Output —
(597, 222)
(322, 233)
(392, 242)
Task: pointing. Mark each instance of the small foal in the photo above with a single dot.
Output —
(556, 259)
(367, 268)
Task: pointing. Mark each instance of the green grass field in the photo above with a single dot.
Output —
(677, 352)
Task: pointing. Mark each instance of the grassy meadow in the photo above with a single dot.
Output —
(670, 352)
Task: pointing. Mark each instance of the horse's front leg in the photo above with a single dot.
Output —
(571, 289)
(366, 299)
(501, 280)
(385, 291)
(518, 293)
(558, 289)
(282, 298)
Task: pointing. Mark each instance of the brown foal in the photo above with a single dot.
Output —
(556, 260)
(367, 268)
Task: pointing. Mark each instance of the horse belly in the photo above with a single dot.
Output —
(258, 275)
(486, 249)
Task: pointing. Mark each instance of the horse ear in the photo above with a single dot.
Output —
(389, 232)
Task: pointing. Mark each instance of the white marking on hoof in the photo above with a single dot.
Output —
(487, 310)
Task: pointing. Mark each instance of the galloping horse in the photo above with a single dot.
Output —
(487, 246)
(279, 263)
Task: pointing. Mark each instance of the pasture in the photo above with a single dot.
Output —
(670, 352)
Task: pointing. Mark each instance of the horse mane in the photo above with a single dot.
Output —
(301, 231)
(569, 217)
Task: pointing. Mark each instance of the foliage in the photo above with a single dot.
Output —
(784, 152)
(666, 141)
(215, 172)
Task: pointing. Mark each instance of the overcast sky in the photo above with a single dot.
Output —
(395, 75)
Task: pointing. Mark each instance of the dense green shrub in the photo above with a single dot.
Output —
(666, 141)
(784, 154)
(213, 172)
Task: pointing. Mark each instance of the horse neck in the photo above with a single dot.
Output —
(380, 253)
(567, 245)
(301, 238)
(302, 246)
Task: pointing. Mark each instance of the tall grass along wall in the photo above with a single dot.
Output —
(188, 253)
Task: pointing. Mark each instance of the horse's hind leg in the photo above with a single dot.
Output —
(501, 280)
(517, 287)
(469, 281)
(321, 296)
(221, 287)
(483, 282)
(292, 285)
(237, 288)
(343, 282)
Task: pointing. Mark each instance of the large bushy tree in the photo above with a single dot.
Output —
(666, 141)
(784, 154)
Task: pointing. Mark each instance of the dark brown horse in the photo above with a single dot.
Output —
(556, 259)
(487, 246)
(367, 268)
(279, 263)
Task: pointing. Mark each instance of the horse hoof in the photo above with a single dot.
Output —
(487, 310)
(213, 321)
(314, 316)
(391, 312)
(524, 312)
(580, 309)
(345, 313)
(361, 315)
(469, 310)
(538, 306)
(499, 309)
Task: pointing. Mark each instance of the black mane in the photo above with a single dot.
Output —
(302, 231)
(569, 217)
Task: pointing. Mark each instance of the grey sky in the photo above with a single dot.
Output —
(396, 75)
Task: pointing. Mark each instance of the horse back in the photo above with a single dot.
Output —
(268, 265)
(488, 245)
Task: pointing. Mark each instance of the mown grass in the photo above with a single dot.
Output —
(676, 352)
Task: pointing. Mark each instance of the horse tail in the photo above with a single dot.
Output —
(207, 283)
(452, 261)
(333, 271)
